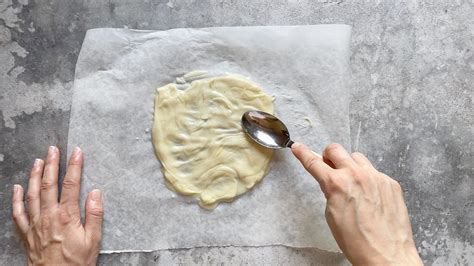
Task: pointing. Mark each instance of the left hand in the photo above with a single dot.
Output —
(52, 231)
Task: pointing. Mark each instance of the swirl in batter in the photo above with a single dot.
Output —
(198, 138)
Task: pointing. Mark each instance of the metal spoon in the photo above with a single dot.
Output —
(266, 130)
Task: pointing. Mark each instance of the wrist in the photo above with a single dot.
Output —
(410, 257)
(405, 256)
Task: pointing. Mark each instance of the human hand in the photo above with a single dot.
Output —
(365, 208)
(52, 231)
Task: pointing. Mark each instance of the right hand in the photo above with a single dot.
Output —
(365, 209)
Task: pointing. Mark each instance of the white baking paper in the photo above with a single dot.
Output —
(306, 69)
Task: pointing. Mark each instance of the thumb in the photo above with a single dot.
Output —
(94, 216)
(312, 162)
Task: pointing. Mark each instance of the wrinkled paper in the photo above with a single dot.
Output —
(306, 69)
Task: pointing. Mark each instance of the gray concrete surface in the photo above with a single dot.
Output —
(413, 71)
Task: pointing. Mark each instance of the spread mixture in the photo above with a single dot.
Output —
(198, 137)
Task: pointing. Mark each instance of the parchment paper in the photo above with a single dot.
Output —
(118, 70)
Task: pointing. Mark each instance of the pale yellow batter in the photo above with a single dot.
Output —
(197, 136)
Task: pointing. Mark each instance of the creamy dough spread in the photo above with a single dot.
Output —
(197, 136)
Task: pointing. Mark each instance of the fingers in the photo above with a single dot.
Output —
(360, 159)
(71, 184)
(326, 160)
(94, 216)
(312, 162)
(18, 209)
(338, 156)
(386, 196)
(401, 207)
(34, 188)
(400, 202)
(49, 183)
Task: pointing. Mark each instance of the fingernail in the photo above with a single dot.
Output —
(16, 188)
(37, 162)
(296, 145)
(317, 154)
(52, 150)
(76, 152)
(95, 195)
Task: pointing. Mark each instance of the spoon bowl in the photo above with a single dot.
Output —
(266, 130)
